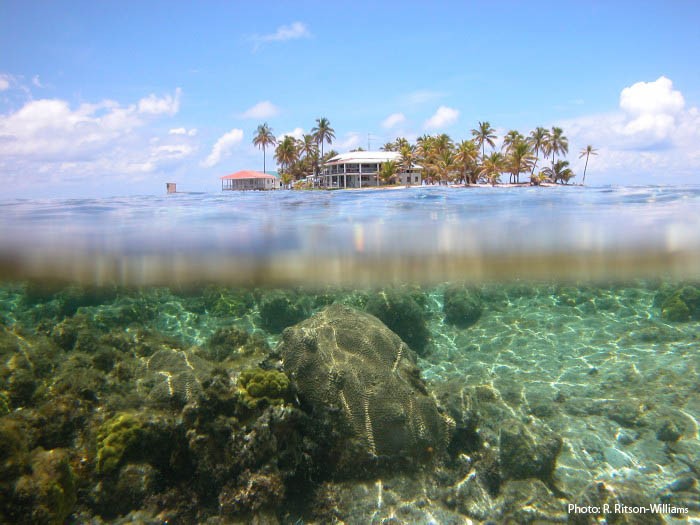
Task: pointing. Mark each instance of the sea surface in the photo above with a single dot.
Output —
(418, 355)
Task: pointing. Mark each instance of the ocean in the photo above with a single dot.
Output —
(419, 355)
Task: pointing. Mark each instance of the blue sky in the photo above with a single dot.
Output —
(119, 97)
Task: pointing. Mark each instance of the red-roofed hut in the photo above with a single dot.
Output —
(250, 180)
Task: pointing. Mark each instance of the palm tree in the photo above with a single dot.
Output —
(520, 159)
(323, 132)
(399, 143)
(286, 179)
(308, 146)
(465, 158)
(556, 143)
(425, 151)
(407, 153)
(286, 152)
(484, 134)
(492, 167)
(587, 151)
(387, 171)
(444, 165)
(264, 138)
(510, 139)
(389, 146)
(538, 138)
(559, 171)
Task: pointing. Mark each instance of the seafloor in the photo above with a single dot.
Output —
(218, 405)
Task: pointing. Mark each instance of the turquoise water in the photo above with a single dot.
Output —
(428, 355)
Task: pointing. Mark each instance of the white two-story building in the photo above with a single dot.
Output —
(360, 169)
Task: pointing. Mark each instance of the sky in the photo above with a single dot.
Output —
(120, 97)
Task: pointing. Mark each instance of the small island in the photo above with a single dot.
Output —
(431, 160)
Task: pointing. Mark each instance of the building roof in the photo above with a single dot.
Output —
(247, 174)
(367, 157)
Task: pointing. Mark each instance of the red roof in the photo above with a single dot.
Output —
(247, 174)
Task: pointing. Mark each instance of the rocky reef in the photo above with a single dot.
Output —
(403, 405)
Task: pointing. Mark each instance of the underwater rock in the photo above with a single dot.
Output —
(527, 451)
(48, 494)
(347, 364)
(134, 483)
(77, 376)
(58, 420)
(13, 454)
(231, 342)
(117, 437)
(682, 304)
(280, 309)
(462, 306)
(29, 360)
(614, 496)
(136, 437)
(223, 302)
(669, 432)
(399, 311)
(530, 501)
(250, 493)
(458, 403)
(174, 376)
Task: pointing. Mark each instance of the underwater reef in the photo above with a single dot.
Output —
(496, 403)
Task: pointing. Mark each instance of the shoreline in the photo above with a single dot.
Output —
(452, 186)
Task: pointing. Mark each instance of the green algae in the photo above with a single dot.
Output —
(115, 438)
(259, 387)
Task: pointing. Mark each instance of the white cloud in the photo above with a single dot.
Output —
(183, 131)
(289, 32)
(297, 133)
(168, 105)
(653, 137)
(48, 136)
(652, 108)
(352, 140)
(393, 120)
(172, 151)
(4, 82)
(442, 118)
(421, 96)
(261, 110)
(651, 98)
(36, 82)
(222, 148)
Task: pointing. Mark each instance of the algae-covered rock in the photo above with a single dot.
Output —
(607, 498)
(679, 305)
(348, 363)
(48, 494)
(462, 306)
(116, 438)
(226, 302)
(280, 309)
(252, 492)
(145, 436)
(674, 309)
(235, 342)
(134, 483)
(403, 315)
(263, 386)
(527, 451)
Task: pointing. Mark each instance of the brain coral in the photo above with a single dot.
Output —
(348, 362)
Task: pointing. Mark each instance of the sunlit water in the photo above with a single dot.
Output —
(586, 333)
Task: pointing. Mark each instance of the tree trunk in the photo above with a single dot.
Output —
(584, 171)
